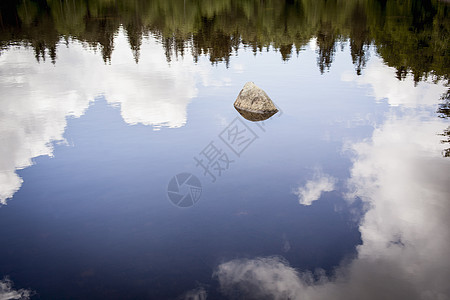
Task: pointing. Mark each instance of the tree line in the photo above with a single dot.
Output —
(410, 35)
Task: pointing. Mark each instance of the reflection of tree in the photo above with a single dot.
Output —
(134, 38)
(326, 40)
(414, 38)
(28, 23)
(359, 38)
(444, 112)
(100, 34)
(218, 44)
(446, 140)
(444, 107)
(411, 36)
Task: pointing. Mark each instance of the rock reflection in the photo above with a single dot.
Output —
(253, 116)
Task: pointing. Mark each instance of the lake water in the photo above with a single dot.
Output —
(126, 172)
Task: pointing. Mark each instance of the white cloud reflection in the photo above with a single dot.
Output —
(314, 188)
(402, 176)
(34, 106)
(37, 98)
(151, 92)
(197, 294)
(403, 93)
(260, 278)
(7, 292)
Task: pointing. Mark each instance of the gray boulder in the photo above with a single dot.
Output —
(254, 100)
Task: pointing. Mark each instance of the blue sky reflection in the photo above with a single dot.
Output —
(105, 140)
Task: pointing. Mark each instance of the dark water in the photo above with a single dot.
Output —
(107, 107)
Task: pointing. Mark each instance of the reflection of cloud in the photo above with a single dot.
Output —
(313, 44)
(33, 109)
(402, 175)
(260, 278)
(313, 189)
(7, 292)
(151, 92)
(286, 243)
(397, 92)
(238, 68)
(10, 183)
(37, 98)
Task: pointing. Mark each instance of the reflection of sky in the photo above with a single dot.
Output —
(405, 238)
(400, 173)
(37, 98)
(97, 207)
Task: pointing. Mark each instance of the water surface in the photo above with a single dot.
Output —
(341, 194)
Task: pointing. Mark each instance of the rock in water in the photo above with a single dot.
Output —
(254, 100)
